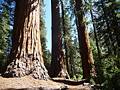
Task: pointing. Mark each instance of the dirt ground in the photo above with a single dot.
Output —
(30, 82)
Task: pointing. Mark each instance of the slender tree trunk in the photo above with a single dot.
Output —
(26, 53)
(57, 63)
(64, 36)
(98, 66)
(83, 37)
(95, 34)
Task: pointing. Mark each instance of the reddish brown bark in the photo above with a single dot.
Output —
(85, 51)
(57, 64)
(26, 53)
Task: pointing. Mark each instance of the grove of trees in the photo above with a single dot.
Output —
(85, 40)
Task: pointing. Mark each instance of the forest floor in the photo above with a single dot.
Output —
(29, 83)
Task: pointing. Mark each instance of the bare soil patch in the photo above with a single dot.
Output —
(29, 83)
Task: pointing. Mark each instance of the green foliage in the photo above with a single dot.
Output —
(107, 27)
(106, 22)
(111, 73)
(74, 55)
(46, 52)
(47, 59)
(4, 35)
(109, 70)
(4, 29)
(72, 47)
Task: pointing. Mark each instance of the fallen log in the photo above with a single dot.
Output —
(69, 81)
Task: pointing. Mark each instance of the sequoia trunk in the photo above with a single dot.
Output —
(85, 51)
(58, 68)
(26, 55)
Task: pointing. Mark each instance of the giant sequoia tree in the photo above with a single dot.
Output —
(26, 56)
(57, 63)
(83, 37)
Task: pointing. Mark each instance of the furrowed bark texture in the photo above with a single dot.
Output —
(84, 43)
(58, 68)
(26, 53)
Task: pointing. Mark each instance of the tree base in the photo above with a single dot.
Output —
(23, 67)
(64, 74)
